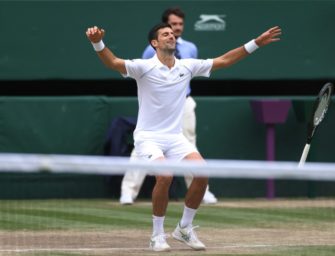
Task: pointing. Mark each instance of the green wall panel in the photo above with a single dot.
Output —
(226, 129)
(63, 125)
(46, 186)
(46, 39)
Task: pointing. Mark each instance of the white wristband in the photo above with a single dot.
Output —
(98, 47)
(251, 46)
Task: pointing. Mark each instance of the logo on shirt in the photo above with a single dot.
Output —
(181, 75)
(210, 22)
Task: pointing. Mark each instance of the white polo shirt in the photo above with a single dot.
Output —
(162, 92)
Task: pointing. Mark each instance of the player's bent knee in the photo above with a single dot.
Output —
(164, 181)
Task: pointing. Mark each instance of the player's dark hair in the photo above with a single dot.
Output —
(173, 10)
(153, 33)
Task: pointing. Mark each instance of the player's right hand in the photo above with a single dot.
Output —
(95, 34)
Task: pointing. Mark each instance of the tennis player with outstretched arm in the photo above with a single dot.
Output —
(162, 85)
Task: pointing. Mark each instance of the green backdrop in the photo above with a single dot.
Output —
(79, 125)
(46, 39)
(226, 129)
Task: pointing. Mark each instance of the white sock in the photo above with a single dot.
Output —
(158, 225)
(188, 216)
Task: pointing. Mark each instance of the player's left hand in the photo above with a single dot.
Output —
(269, 36)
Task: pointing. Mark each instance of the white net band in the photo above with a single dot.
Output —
(106, 165)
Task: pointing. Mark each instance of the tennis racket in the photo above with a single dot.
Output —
(319, 111)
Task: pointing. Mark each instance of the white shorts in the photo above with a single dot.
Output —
(171, 146)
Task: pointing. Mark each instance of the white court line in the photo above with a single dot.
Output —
(147, 249)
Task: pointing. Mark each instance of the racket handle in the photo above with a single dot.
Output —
(304, 155)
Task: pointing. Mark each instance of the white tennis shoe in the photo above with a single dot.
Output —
(188, 236)
(209, 198)
(158, 243)
(126, 199)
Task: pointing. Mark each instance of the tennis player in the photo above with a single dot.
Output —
(133, 179)
(162, 83)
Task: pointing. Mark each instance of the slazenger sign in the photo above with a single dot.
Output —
(210, 22)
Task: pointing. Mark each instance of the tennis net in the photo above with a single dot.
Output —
(118, 165)
(89, 223)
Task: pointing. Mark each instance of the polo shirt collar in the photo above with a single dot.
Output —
(160, 64)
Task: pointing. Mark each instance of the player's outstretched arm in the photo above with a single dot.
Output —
(95, 35)
(237, 54)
